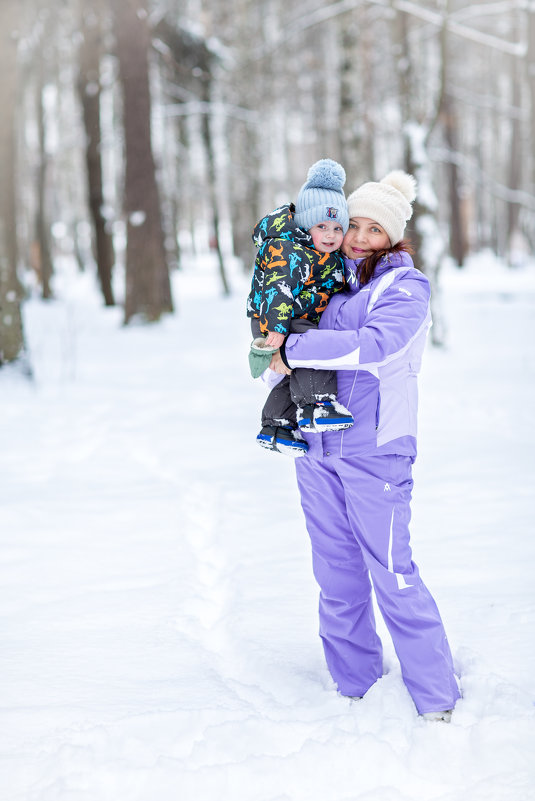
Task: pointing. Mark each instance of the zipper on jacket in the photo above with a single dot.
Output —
(377, 411)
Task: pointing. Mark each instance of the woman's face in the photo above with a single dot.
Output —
(364, 236)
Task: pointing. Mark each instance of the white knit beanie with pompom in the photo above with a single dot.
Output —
(387, 202)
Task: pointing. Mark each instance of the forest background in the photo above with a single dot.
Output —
(158, 630)
(135, 133)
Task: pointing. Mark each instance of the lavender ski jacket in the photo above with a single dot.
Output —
(374, 336)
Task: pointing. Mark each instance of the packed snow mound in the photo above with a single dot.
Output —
(326, 174)
(403, 182)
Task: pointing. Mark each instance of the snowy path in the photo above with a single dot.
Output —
(159, 633)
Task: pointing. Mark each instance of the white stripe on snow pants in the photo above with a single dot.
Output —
(357, 513)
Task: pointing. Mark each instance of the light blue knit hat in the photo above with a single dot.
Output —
(322, 198)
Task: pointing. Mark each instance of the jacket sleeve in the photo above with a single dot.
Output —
(279, 287)
(398, 316)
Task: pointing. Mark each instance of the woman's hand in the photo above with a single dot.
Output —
(278, 365)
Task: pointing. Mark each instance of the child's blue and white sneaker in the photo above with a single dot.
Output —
(332, 416)
(283, 440)
(305, 417)
(290, 442)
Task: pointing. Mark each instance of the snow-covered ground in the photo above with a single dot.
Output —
(158, 618)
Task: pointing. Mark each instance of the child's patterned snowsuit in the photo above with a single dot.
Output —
(292, 283)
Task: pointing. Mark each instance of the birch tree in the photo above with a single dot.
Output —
(41, 76)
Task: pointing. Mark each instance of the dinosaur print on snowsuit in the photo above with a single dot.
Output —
(291, 278)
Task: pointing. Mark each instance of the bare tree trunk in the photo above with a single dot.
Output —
(245, 141)
(404, 69)
(350, 138)
(245, 192)
(458, 245)
(530, 66)
(426, 234)
(148, 290)
(11, 332)
(89, 91)
(212, 189)
(530, 72)
(194, 67)
(517, 154)
(42, 228)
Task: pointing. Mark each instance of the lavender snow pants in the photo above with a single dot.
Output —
(357, 514)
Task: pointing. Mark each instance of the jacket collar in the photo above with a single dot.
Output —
(397, 259)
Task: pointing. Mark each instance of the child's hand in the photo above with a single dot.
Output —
(274, 339)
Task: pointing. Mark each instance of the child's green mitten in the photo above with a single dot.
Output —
(260, 356)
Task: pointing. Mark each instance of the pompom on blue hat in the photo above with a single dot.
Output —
(322, 197)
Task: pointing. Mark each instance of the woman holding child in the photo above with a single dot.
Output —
(356, 483)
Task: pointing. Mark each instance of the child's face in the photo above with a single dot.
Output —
(327, 236)
(364, 237)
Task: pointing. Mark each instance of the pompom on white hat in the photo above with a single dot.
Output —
(322, 197)
(387, 202)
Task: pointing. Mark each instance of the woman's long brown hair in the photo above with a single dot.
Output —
(366, 268)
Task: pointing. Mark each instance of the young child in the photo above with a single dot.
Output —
(297, 269)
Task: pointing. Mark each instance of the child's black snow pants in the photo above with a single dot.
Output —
(301, 387)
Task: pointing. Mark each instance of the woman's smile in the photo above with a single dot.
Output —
(364, 237)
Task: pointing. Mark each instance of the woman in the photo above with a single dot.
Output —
(356, 484)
